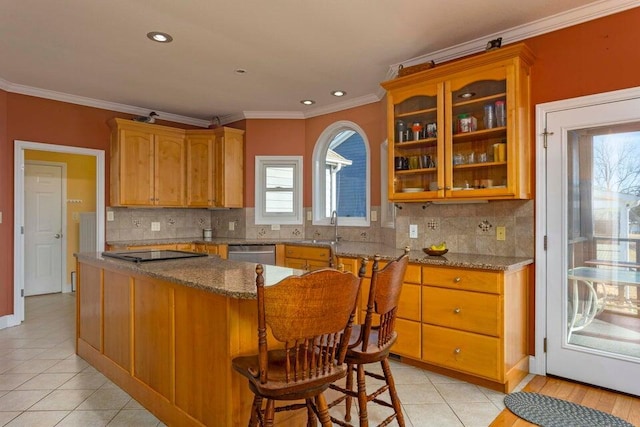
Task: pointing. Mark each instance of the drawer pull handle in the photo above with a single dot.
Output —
(457, 351)
(457, 280)
(456, 310)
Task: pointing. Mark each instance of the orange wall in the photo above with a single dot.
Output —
(593, 57)
(81, 185)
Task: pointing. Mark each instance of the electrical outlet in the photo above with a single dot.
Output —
(413, 231)
(374, 216)
(275, 227)
(110, 216)
(501, 233)
(75, 216)
(155, 226)
(0, 217)
(232, 225)
(309, 216)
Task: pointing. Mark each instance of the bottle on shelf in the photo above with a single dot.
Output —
(501, 119)
(489, 116)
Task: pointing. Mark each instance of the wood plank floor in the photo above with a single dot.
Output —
(621, 405)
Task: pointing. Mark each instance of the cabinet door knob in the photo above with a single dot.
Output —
(456, 310)
(457, 280)
(457, 351)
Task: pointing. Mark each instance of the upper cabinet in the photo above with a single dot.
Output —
(147, 164)
(153, 165)
(460, 131)
(215, 168)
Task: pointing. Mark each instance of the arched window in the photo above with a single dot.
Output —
(341, 175)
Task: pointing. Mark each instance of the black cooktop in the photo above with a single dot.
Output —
(151, 255)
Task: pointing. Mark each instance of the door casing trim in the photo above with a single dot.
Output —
(18, 222)
(538, 363)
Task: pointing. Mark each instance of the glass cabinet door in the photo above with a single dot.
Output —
(416, 153)
(478, 146)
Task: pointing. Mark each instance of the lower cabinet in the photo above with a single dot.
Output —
(306, 257)
(466, 323)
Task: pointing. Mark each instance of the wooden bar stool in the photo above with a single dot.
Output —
(371, 344)
(311, 316)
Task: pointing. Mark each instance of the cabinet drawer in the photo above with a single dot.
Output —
(468, 311)
(409, 304)
(413, 274)
(308, 252)
(408, 342)
(471, 280)
(462, 351)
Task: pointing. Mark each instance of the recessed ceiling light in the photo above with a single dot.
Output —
(307, 102)
(338, 93)
(240, 71)
(160, 37)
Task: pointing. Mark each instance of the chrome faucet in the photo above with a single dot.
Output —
(334, 222)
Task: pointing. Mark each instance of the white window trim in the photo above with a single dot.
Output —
(318, 175)
(260, 216)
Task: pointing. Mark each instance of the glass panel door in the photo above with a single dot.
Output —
(593, 184)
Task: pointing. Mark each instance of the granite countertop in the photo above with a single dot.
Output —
(210, 273)
(361, 249)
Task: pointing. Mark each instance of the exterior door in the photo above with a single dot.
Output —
(593, 232)
(43, 229)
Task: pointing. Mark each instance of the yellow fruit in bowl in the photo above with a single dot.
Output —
(441, 247)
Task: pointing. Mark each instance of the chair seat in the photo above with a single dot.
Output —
(277, 387)
(357, 355)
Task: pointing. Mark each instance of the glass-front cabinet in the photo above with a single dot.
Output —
(461, 131)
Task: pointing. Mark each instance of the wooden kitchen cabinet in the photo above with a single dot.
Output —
(474, 322)
(436, 150)
(147, 164)
(306, 257)
(215, 168)
(206, 248)
(408, 326)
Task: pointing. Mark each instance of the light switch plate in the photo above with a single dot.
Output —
(110, 216)
(374, 216)
(155, 226)
(275, 227)
(413, 231)
(232, 225)
(501, 233)
(309, 216)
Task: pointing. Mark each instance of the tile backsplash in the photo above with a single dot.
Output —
(466, 228)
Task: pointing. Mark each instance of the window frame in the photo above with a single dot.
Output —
(318, 175)
(262, 217)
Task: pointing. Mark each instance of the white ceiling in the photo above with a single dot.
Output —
(291, 49)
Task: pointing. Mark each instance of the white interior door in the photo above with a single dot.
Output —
(593, 220)
(43, 229)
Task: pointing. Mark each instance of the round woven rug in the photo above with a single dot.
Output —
(548, 411)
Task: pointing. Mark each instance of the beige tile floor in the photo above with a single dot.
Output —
(43, 383)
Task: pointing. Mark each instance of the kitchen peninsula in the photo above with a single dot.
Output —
(166, 332)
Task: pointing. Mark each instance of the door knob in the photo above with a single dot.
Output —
(57, 235)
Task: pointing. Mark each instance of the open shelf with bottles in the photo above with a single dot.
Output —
(461, 130)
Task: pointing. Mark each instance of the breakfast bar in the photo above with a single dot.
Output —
(166, 331)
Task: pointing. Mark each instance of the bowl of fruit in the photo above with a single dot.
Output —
(436, 250)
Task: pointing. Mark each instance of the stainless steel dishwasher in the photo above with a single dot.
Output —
(257, 254)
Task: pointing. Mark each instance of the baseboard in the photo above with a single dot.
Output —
(9, 321)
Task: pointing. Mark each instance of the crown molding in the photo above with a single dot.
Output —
(96, 103)
(343, 105)
(273, 115)
(556, 22)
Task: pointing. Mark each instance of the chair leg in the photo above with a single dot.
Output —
(311, 415)
(395, 400)
(323, 410)
(270, 413)
(349, 386)
(362, 397)
(255, 411)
